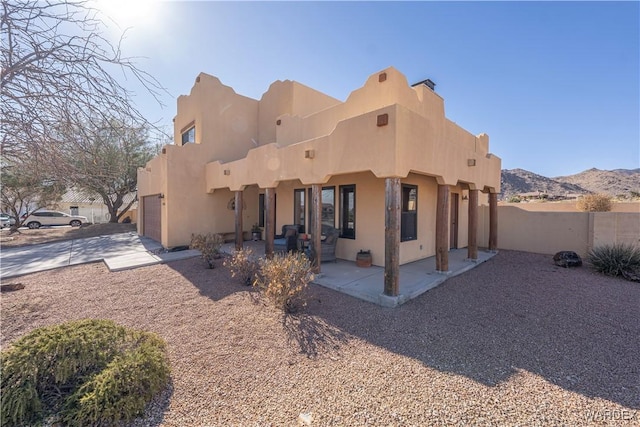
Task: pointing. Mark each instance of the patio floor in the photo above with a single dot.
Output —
(368, 283)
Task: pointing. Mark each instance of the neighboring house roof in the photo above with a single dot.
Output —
(75, 195)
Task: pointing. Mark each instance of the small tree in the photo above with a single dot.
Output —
(25, 190)
(103, 158)
(594, 203)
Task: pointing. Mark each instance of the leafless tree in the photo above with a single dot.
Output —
(103, 160)
(59, 67)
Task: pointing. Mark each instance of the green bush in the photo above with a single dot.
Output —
(615, 260)
(514, 199)
(86, 372)
(594, 203)
(243, 265)
(284, 278)
(209, 246)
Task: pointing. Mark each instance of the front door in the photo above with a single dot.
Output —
(453, 229)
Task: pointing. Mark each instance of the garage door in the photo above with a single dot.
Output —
(152, 217)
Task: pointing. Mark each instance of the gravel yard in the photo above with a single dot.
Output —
(515, 341)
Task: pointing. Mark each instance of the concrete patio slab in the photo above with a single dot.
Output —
(367, 284)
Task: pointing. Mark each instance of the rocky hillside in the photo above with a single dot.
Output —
(520, 181)
(615, 182)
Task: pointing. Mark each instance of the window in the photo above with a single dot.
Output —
(409, 215)
(328, 206)
(189, 135)
(348, 211)
(299, 209)
(328, 200)
(261, 210)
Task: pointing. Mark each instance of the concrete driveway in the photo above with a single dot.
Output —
(119, 251)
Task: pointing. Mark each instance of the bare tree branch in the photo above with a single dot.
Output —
(57, 66)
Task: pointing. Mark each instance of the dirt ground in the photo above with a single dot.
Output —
(54, 234)
(515, 341)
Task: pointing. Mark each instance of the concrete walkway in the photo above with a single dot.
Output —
(119, 252)
(368, 283)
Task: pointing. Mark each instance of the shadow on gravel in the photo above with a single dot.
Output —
(575, 329)
(312, 335)
(215, 283)
(153, 415)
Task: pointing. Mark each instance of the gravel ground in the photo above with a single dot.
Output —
(516, 341)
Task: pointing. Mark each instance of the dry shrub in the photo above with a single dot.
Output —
(284, 278)
(243, 265)
(594, 203)
(209, 246)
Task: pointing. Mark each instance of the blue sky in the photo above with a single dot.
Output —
(556, 85)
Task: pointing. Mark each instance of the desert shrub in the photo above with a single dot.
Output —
(83, 372)
(594, 203)
(284, 278)
(243, 265)
(615, 260)
(514, 199)
(209, 246)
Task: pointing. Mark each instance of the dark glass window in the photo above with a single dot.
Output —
(299, 209)
(328, 206)
(348, 211)
(409, 215)
(189, 135)
(261, 210)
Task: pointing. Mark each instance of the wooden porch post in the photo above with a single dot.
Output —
(238, 212)
(270, 223)
(392, 237)
(442, 222)
(472, 252)
(316, 224)
(493, 221)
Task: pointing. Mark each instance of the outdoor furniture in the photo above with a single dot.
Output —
(288, 240)
(328, 242)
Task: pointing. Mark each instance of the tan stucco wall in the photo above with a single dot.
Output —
(550, 232)
(570, 206)
(611, 228)
(240, 145)
(370, 215)
(345, 139)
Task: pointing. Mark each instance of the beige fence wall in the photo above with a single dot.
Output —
(550, 232)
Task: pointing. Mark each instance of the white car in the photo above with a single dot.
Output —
(7, 220)
(42, 217)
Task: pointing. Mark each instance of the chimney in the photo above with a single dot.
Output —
(428, 83)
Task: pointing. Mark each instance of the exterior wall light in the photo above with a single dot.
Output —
(227, 172)
(160, 196)
(309, 154)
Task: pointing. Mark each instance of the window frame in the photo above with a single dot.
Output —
(186, 133)
(344, 214)
(405, 213)
(302, 210)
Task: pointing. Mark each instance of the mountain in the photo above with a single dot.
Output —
(520, 181)
(614, 183)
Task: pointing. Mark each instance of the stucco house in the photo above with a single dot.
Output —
(78, 202)
(386, 167)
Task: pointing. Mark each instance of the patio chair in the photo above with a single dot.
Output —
(327, 245)
(288, 240)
